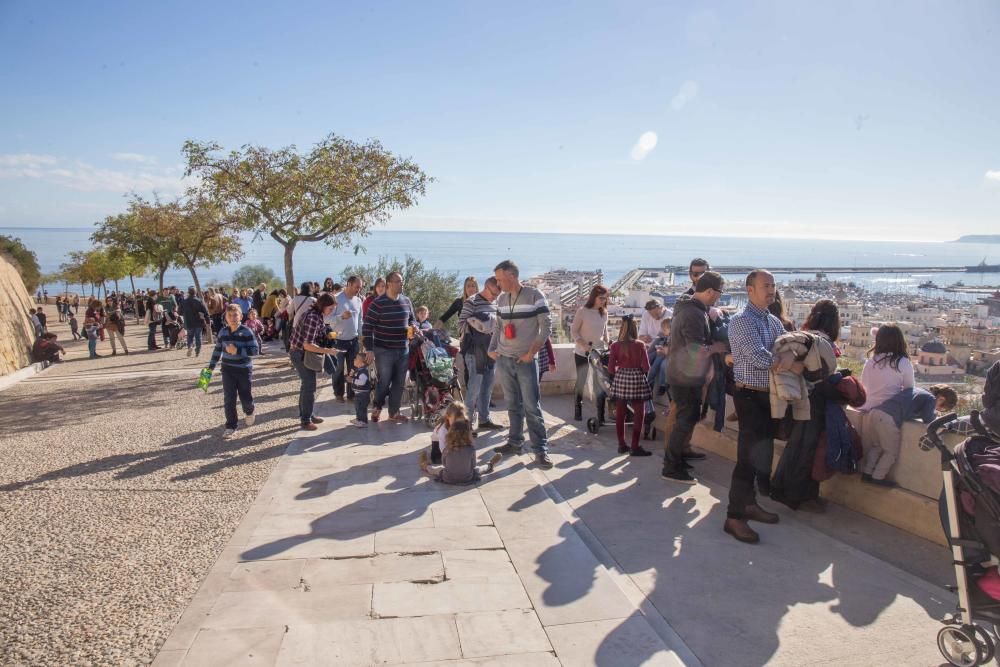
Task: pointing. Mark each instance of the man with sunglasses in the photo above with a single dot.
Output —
(696, 269)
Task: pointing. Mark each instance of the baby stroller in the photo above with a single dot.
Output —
(970, 515)
(598, 360)
(434, 383)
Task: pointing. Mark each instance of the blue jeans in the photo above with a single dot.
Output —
(361, 399)
(350, 348)
(391, 366)
(657, 371)
(236, 382)
(194, 338)
(479, 387)
(520, 388)
(307, 390)
(151, 339)
(92, 346)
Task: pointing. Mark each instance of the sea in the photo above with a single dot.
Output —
(476, 253)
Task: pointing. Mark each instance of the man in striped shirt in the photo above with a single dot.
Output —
(234, 347)
(476, 325)
(752, 333)
(525, 323)
(385, 331)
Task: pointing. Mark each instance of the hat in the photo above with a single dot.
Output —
(653, 304)
(710, 280)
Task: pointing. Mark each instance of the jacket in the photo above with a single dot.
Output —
(788, 388)
(842, 442)
(690, 337)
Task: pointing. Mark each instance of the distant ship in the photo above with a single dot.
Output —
(927, 285)
(983, 267)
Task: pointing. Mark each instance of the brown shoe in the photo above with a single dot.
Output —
(759, 514)
(309, 427)
(739, 529)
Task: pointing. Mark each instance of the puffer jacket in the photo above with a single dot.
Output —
(789, 388)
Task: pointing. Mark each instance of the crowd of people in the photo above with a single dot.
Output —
(783, 379)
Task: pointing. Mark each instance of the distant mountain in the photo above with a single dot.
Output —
(979, 238)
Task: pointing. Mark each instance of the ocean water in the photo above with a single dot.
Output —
(476, 253)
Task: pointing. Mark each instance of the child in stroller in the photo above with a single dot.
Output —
(433, 381)
(970, 515)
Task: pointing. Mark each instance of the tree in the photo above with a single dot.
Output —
(425, 287)
(25, 261)
(203, 234)
(145, 232)
(340, 189)
(251, 275)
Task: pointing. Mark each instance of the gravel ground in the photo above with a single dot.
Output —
(117, 495)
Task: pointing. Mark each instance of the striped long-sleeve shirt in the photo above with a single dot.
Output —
(752, 333)
(386, 321)
(244, 341)
(528, 312)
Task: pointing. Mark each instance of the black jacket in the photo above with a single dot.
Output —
(690, 336)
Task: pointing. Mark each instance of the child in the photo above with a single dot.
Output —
(74, 326)
(629, 366)
(361, 382)
(451, 414)
(423, 314)
(459, 457)
(657, 376)
(254, 324)
(234, 346)
(90, 330)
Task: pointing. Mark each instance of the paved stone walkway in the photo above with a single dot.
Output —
(350, 557)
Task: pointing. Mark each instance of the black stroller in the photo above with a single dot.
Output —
(970, 515)
(598, 360)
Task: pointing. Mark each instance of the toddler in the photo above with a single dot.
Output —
(361, 381)
(658, 351)
(423, 314)
(74, 326)
(459, 456)
(90, 330)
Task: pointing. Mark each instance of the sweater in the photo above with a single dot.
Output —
(589, 328)
(910, 403)
(386, 322)
(882, 381)
(528, 314)
(246, 347)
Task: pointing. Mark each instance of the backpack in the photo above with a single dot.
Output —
(156, 315)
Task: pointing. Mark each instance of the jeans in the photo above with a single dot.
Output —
(92, 346)
(236, 381)
(479, 388)
(756, 432)
(151, 340)
(361, 400)
(686, 407)
(520, 388)
(216, 323)
(391, 366)
(657, 375)
(350, 348)
(194, 338)
(307, 390)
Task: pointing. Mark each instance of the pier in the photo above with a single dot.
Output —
(837, 269)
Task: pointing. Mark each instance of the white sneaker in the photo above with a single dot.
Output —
(190, 351)
(228, 434)
(250, 419)
(359, 423)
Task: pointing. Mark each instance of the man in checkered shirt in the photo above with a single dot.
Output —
(751, 336)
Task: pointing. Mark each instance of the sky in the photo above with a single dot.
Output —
(853, 119)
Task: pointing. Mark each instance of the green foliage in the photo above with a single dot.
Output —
(338, 190)
(24, 260)
(251, 275)
(425, 287)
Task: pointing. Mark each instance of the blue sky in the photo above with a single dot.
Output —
(795, 119)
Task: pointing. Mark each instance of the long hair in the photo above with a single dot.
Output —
(777, 308)
(596, 291)
(454, 411)
(324, 301)
(306, 289)
(328, 284)
(824, 317)
(471, 280)
(374, 289)
(628, 331)
(459, 434)
(889, 341)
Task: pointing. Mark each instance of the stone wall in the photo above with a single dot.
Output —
(16, 335)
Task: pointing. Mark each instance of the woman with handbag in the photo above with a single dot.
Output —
(306, 350)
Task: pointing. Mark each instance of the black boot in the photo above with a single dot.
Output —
(435, 452)
(578, 409)
(600, 413)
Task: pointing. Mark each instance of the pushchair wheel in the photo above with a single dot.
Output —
(593, 425)
(960, 646)
(985, 642)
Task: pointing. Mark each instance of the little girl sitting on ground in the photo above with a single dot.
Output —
(459, 455)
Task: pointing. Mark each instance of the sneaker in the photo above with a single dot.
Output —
(399, 418)
(639, 451)
(495, 459)
(376, 413)
(489, 425)
(249, 419)
(865, 477)
(885, 483)
(341, 399)
(623, 449)
(359, 423)
(681, 476)
(508, 449)
(190, 351)
(228, 433)
(543, 461)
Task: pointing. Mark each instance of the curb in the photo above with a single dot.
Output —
(8, 381)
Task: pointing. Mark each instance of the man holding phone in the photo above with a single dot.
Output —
(524, 325)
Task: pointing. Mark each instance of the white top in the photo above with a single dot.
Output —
(297, 307)
(589, 326)
(439, 434)
(881, 381)
(346, 329)
(650, 326)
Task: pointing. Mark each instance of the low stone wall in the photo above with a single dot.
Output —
(16, 334)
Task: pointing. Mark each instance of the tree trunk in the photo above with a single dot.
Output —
(117, 290)
(135, 301)
(162, 270)
(194, 277)
(289, 274)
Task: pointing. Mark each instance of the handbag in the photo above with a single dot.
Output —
(312, 360)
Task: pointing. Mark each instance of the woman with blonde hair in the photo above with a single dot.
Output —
(629, 365)
(458, 465)
(469, 289)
